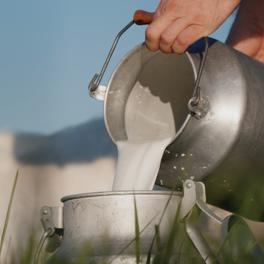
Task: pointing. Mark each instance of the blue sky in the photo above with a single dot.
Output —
(49, 51)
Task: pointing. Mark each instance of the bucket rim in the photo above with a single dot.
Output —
(119, 193)
(137, 48)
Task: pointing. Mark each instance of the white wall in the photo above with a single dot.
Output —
(76, 160)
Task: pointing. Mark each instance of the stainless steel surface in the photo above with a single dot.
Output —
(105, 223)
(225, 147)
(199, 241)
(101, 226)
(142, 68)
(51, 217)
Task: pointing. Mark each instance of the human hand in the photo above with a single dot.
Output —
(179, 23)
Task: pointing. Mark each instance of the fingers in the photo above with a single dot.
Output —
(154, 31)
(175, 36)
(187, 37)
(169, 35)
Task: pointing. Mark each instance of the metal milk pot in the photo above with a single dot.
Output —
(133, 227)
(215, 99)
(102, 225)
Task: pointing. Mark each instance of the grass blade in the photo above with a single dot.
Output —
(157, 237)
(137, 232)
(27, 256)
(165, 256)
(8, 213)
(132, 240)
(150, 252)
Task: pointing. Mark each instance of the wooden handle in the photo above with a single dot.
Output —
(142, 17)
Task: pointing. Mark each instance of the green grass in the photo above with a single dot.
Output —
(239, 246)
(137, 232)
(28, 254)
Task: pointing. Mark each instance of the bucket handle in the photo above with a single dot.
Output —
(142, 17)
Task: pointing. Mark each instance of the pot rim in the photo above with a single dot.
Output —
(119, 193)
(136, 48)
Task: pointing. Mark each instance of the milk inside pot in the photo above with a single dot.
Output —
(150, 119)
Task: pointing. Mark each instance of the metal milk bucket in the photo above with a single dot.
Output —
(103, 225)
(129, 227)
(216, 99)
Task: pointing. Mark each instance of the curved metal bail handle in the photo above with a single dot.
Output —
(95, 82)
(144, 18)
(140, 18)
(195, 106)
(194, 102)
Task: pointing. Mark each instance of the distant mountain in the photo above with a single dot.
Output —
(78, 144)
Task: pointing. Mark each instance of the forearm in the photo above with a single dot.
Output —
(247, 33)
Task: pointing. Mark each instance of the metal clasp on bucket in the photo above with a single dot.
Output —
(52, 223)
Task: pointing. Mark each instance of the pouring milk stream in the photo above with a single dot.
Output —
(150, 128)
(148, 134)
(148, 119)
